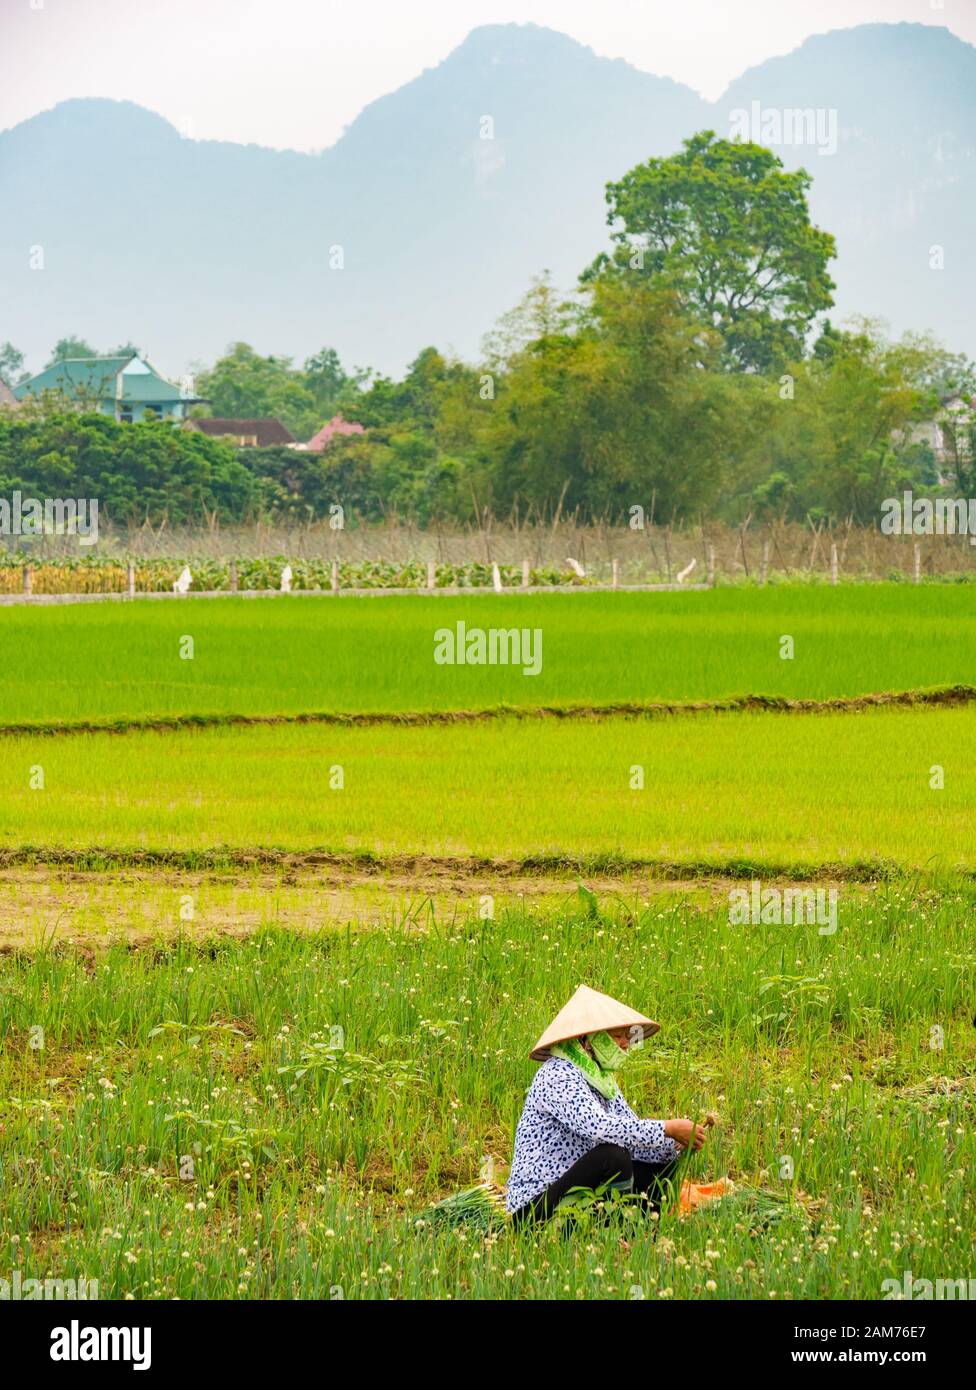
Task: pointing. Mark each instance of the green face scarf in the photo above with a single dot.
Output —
(598, 1069)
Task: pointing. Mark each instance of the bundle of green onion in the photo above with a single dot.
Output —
(482, 1207)
(766, 1207)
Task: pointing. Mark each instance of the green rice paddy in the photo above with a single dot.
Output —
(281, 655)
(776, 790)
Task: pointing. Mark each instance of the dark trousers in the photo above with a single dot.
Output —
(607, 1163)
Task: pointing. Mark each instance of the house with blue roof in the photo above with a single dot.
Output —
(123, 387)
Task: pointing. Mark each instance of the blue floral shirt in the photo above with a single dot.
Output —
(563, 1118)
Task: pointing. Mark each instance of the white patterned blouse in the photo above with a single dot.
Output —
(563, 1118)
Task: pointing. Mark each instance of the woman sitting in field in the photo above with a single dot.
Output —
(576, 1130)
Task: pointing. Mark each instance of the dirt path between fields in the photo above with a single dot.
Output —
(93, 910)
(353, 865)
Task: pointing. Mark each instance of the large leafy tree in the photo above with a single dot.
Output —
(726, 227)
(840, 441)
(243, 385)
(136, 471)
(539, 314)
(70, 347)
(618, 403)
(11, 364)
(328, 382)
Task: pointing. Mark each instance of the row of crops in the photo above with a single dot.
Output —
(100, 576)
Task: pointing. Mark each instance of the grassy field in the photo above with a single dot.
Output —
(182, 1121)
(292, 654)
(253, 1023)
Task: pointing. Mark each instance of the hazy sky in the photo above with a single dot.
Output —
(292, 73)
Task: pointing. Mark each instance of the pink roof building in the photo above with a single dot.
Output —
(337, 425)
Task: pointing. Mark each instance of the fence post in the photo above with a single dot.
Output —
(130, 580)
(918, 563)
(233, 576)
(615, 570)
(335, 576)
(711, 565)
(28, 580)
(833, 564)
(525, 574)
(764, 567)
(431, 575)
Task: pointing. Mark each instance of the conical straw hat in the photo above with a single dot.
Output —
(589, 1011)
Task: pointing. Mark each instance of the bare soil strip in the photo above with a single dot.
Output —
(635, 709)
(138, 908)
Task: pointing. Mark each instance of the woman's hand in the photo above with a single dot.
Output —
(684, 1132)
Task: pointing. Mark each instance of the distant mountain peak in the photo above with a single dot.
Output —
(904, 44)
(102, 113)
(515, 39)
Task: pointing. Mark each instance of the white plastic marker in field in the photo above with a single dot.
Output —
(496, 578)
(683, 574)
(181, 585)
(286, 580)
(576, 567)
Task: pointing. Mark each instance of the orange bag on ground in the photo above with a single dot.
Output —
(695, 1194)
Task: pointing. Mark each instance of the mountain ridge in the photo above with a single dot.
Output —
(186, 245)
